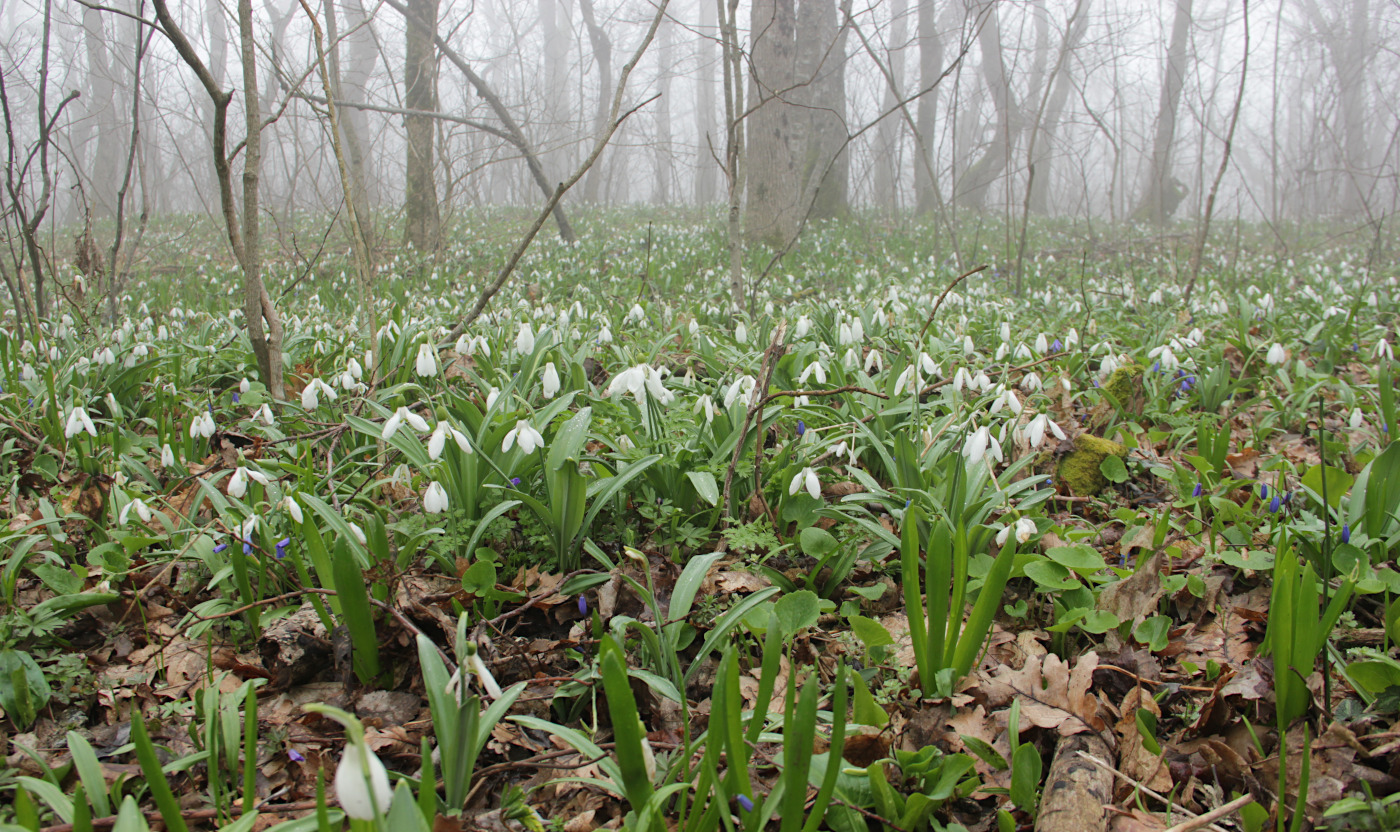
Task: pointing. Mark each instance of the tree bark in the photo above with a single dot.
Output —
(1061, 83)
(422, 222)
(708, 144)
(349, 131)
(602, 56)
(821, 91)
(1163, 192)
(887, 167)
(665, 54)
(930, 67)
(772, 171)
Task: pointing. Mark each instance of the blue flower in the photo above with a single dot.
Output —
(235, 397)
(1263, 491)
(282, 547)
(745, 803)
(1274, 505)
(1156, 367)
(247, 546)
(1198, 490)
(295, 756)
(1346, 532)
(515, 482)
(1056, 346)
(801, 427)
(220, 548)
(582, 605)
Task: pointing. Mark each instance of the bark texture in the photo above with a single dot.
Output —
(422, 222)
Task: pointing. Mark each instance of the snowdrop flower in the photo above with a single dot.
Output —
(694, 327)
(813, 369)
(741, 333)
(399, 417)
(743, 384)
(804, 325)
(1008, 400)
(482, 672)
(927, 365)
(1356, 418)
(78, 422)
(1031, 383)
(528, 438)
(137, 505)
(1024, 528)
(435, 500)
(1276, 355)
(551, 380)
(265, 414)
(1041, 344)
(908, 381)
(310, 396)
(167, 456)
(525, 339)
(1383, 350)
(106, 356)
(857, 330)
(654, 386)
(1071, 339)
(874, 362)
(982, 382)
(362, 783)
(439, 440)
(1035, 431)
(636, 314)
(980, 445)
(705, 405)
(605, 336)
(238, 483)
(292, 507)
(631, 380)
(1166, 358)
(806, 478)
(426, 365)
(244, 386)
(968, 347)
(962, 378)
(463, 345)
(1005, 332)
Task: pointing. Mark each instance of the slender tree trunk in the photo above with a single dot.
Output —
(1054, 110)
(602, 56)
(887, 167)
(976, 183)
(664, 158)
(709, 141)
(422, 221)
(349, 133)
(821, 91)
(101, 109)
(1164, 193)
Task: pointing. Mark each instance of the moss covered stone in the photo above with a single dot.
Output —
(1124, 384)
(1079, 469)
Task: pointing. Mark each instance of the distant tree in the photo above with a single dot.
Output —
(773, 124)
(422, 222)
(977, 180)
(1164, 192)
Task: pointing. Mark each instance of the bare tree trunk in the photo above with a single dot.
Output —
(975, 184)
(708, 143)
(422, 222)
(267, 345)
(1061, 83)
(349, 132)
(887, 165)
(773, 175)
(602, 56)
(100, 106)
(665, 55)
(1204, 232)
(1347, 40)
(734, 155)
(1164, 193)
(514, 134)
(930, 66)
(821, 91)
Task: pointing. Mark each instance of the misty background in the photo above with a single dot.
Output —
(1121, 108)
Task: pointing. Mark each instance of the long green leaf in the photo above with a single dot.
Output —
(155, 777)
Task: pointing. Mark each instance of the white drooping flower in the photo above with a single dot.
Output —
(745, 385)
(426, 364)
(314, 389)
(290, 505)
(525, 339)
(137, 505)
(605, 335)
(813, 369)
(439, 440)
(1008, 400)
(398, 418)
(1035, 431)
(1276, 355)
(804, 325)
(167, 456)
(980, 445)
(79, 422)
(526, 436)
(1356, 418)
(482, 672)
(874, 360)
(1024, 529)
(806, 478)
(238, 483)
(741, 333)
(551, 381)
(705, 405)
(1383, 350)
(362, 783)
(265, 415)
(435, 500)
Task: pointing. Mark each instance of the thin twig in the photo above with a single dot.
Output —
(959, 279)
(1213, 815)
(1176, 807)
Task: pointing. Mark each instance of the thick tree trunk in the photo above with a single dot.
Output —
(1163, 192)
(821, 75)
(349, 132)
(422, 221)
(774, 186)
(106, 158)
(664, 168)
(1054, 111)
